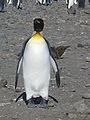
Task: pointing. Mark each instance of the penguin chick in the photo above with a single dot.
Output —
(36, 57)
(58, 50)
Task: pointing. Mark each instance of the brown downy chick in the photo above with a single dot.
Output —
(58, 50)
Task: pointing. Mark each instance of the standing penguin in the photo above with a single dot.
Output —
(44, 2)
(17, 4)
(70, 3)
(81, 4)
(2, 5)
(36, 56)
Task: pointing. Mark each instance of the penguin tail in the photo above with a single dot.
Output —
(23, 95)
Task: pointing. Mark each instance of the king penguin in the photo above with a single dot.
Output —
(36, 58)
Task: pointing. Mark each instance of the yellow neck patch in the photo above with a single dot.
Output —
(36, 38)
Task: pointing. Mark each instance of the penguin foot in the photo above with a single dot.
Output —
(2, 11)
(19, 7)
(72, 10)
(31, 104)
(43, 104)
(38, 3)
(34, 102)
(37, 102)
(46, 104)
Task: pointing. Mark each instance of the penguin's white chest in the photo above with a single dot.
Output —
(36, 69)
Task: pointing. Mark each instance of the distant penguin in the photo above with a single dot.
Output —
(44, 2)
(36, 56)
(81, 3)
(2, 5)
(17, 4)
(89, 2)
(9, 2)
(70, 3)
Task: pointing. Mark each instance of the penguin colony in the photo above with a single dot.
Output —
(18, 3)
(36, 57)
(80, 3)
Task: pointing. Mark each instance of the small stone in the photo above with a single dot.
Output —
(86, 96)
(87, 11)
(72, 116)
(73, 90)
(4, 104)
(69, 74)
(87, 85)
(3, 83)
(14, 117)
(84, 67)
(59, 119)
(87, 59)
(80, 45)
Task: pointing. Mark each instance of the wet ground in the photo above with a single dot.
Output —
(74, 94)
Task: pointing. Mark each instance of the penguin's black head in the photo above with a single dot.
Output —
(38, 24)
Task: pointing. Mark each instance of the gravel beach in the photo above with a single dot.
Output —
(74, 30)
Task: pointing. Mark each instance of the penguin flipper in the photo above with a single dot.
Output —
(57, 79)
(54, 63)
(53, 52)
(51, 49)
(56, 70)
(18, 70)
(20, 61)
